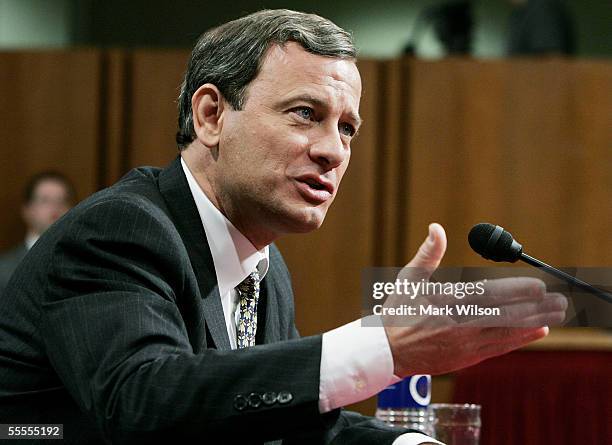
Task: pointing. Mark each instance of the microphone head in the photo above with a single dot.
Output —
(494, 243)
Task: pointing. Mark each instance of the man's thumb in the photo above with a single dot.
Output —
(429, 255)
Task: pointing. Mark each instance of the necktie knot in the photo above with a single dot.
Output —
(249, 287)
(248, 291)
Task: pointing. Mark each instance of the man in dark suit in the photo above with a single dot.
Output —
(48, 195)
(160, 310)
(9, 261)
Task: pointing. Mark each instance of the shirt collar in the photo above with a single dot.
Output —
(234, 256)
(30, 240)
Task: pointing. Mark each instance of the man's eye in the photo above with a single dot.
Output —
(304, 112)
(347, 129)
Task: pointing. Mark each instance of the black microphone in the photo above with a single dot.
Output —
(494, 243)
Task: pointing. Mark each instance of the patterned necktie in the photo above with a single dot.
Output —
(248, 292)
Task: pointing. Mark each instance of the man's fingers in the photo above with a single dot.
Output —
(549, 310)
(432, 250)
(511, 334)
(497, 292)
(514, 288)
(547, 319)
(510, 339)
(428, 257)
(445, 349)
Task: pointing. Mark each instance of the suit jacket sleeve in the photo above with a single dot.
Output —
(114, 328)
(120, 290)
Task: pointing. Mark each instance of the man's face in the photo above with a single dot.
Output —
(49, 202)
(281, 157)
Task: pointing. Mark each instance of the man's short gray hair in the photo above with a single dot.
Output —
(230, 56)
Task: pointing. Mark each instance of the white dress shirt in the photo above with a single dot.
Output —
(30, 240)
(356, 361)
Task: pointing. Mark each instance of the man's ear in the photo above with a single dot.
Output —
(207, 106)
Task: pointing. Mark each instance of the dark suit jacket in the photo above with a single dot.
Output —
(115, 329)
(9, 262)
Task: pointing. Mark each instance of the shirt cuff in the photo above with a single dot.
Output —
(415, 439)
(356, 363)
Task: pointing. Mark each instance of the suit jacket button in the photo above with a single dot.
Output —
(240, 402)
(269, 398)
(254, 400)
(284, 397)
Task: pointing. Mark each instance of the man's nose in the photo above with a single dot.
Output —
(328, 151)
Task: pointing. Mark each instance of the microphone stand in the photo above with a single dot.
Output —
(566, 277)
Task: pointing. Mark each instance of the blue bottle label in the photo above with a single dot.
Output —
(412, 392)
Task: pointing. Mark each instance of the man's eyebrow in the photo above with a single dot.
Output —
(319, 103)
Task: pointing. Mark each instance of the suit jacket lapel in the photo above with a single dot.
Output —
(271, 326)
(175, 190)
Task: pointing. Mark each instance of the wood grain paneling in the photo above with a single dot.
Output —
(591, 118)
(393, 111)
(114, 115)
(155, 80)
(49, 112)
(525, 144)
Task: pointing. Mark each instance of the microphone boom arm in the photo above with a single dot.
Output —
(566, 277)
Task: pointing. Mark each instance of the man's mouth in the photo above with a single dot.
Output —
(315, 188)
(317, 182)
(314, 184)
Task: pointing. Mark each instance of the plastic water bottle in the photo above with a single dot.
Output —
(404, 404)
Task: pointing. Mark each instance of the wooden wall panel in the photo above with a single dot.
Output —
(50, 120)
(592, 124)
(115, 118)
(155, 77)
(524, 144)
(393, 112)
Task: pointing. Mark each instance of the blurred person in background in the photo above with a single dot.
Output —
(48, 195)
(540, 27)
(452, 23)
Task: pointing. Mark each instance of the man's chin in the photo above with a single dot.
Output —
(309, 219)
